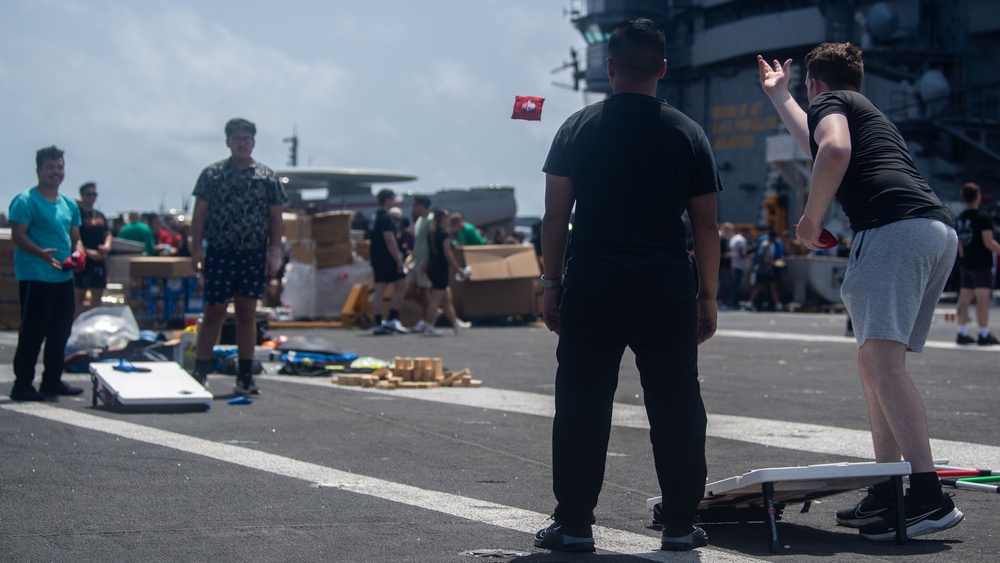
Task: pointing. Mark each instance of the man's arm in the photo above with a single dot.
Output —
(74, 240)
(198, 232)
(774, 81)
(833, 136)
(393, 245)
(988, 241)
(275, 229)
(702, 213)
(559, 199)
(19, 236)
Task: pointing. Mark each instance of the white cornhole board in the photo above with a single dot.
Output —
(165, 386)
(725, 500)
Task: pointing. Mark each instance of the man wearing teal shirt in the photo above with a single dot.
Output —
(45, 229)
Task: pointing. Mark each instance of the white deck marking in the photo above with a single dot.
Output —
(796, 337)
(773, 433)
(475, 510)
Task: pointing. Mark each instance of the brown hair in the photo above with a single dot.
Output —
(838, 65)
(970, 191)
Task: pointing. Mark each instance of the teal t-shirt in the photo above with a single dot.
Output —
(48, 224)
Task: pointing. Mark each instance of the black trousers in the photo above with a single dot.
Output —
(46, 316)
(594, 332)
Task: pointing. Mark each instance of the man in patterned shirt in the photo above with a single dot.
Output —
(238, 216)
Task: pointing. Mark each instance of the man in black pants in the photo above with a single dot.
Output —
(45, 228)
(631, 165)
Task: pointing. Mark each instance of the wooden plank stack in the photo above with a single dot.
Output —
(410, 373)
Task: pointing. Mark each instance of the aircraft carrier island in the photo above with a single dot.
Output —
(932, 66)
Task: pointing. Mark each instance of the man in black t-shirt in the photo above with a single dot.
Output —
(975, 233)
(95, 235)
(387, 265)
(631, 165)
(903, 252)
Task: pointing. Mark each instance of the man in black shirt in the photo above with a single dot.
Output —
(903, 252)
(631, 165)
(387, 265)
(975, 233)
(95, 234)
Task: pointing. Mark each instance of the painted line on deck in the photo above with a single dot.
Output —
(797, 337)
(475, 510)
(800, 436)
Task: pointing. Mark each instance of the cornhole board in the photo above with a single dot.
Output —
(165, 387)
(761, 494)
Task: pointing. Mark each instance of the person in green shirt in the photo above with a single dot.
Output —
(139, 231)
(467, 234)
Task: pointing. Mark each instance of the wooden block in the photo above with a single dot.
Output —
(382, 372)
(450, 378)
(385, 384)
(475, 383)
(437, 367)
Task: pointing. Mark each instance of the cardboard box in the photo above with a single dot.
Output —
(322, 254)
(502, 281)
(160, 267)
(296, 226)
(333, 226)
(329, 255)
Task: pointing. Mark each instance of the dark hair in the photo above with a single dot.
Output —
(385, 195)
(637, 48)
(970, 191)
(838, 65)
(422, 200)
(240, 124)
(48, 153)
(86, 186)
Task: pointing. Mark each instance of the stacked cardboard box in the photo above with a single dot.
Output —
(163, 289)
(323, 239)
(10, 304)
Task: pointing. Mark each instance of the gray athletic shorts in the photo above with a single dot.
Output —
(417, 278)
(895, 277)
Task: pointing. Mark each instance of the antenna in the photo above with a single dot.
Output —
(293, 150)
(577, 75)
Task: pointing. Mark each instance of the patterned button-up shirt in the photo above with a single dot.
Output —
(238, 203)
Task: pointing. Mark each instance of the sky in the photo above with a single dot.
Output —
(138, 93)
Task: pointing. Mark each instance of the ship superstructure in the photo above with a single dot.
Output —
(932, 66)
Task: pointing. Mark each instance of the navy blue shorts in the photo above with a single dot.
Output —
(231, 273)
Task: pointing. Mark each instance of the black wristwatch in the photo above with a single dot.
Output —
(553, 283)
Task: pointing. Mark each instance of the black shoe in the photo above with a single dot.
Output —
(25, 394)
(697, 538)
(922, 517)
(964, 339)
(201, 378)
(869, 510)
(566, 538)
(60, 390)
(988, 340)
(245, 386)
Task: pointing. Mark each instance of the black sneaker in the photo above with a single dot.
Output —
(200, 377)
(964, 339)
(988, 340)
(61, 389)
(697, 538)
(246, 386)
(25, 394)
(869, 510)
(566, 538)
(922, 517)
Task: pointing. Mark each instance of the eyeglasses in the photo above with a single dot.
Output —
(240, 139)
(90, 194)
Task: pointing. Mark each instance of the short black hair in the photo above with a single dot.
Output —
(240, 124)
(385, 195)
(970, 191)
(48, 153)
(87, 186)
(637, 48)
(422, 200)
(838, 65)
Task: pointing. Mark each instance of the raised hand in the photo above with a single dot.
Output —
(774, 79)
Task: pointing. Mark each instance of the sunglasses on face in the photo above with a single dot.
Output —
(90, 194)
